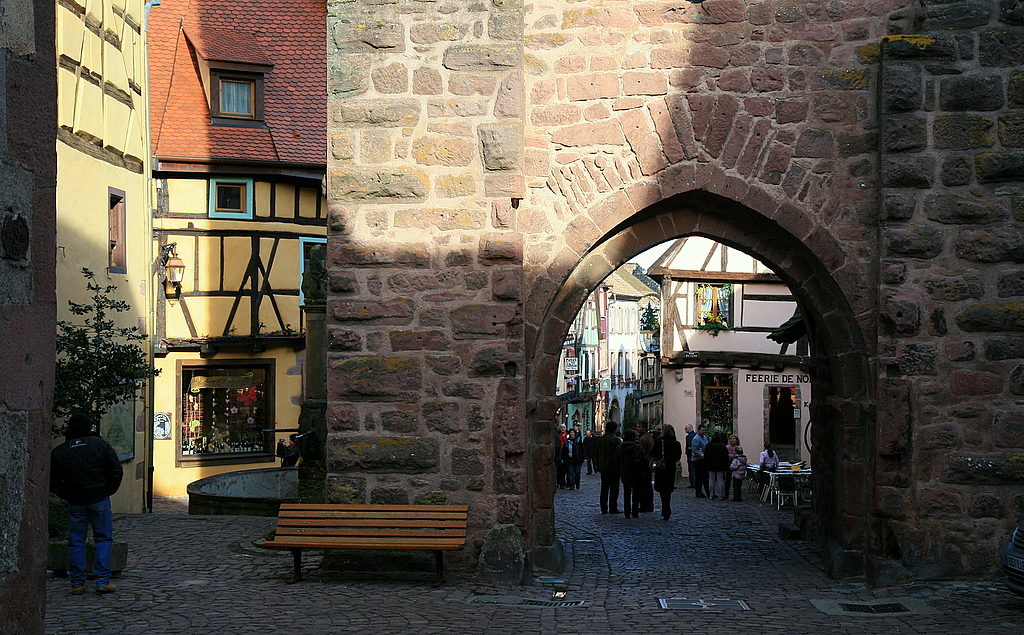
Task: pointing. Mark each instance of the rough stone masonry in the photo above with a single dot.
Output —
(492, 161)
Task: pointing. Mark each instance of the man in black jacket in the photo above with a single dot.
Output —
(606, 465)
(590, 450)
(85, 471)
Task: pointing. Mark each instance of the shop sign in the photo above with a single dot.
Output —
(220, 381)
(768, 378)
(572, 364)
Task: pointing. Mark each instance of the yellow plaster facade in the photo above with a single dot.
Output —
(208, 322)
(103, 193)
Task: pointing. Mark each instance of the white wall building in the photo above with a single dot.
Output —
(718, 307)
(628, 295)
(601, 376)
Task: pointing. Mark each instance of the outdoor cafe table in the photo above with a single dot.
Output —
(755, 471)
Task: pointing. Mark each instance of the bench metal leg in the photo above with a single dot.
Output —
(297, 563)
(439, 557)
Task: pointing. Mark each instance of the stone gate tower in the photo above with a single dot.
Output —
(491, 162)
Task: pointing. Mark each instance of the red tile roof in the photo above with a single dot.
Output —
(290, 34)
(227, 46)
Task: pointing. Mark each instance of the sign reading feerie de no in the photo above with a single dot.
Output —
(765, 378)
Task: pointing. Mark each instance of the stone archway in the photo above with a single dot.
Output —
(841, 380)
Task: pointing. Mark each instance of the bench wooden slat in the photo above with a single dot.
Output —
(369, 522)
(376, 531)
(366, 542)
(378, 515)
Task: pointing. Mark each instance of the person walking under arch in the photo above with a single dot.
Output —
(604, 451)
(688, 452)
(717, 458)
(646, 440)
(700, 466)
(590, 450)
(572, 457)
(634, 467)
(668, 450)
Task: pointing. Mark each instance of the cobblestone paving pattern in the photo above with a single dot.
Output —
(202, 574)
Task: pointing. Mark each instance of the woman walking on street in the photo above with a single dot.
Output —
(718, 465)
(669, 450)
(572, 456)
(734, 441)
(738, 467)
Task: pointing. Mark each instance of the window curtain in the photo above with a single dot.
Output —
(236, 97)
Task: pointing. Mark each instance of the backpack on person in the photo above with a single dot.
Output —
(640, 458)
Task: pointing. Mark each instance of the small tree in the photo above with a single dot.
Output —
(649, 319)
(99, 365)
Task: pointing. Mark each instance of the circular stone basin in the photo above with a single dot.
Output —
(244, 493)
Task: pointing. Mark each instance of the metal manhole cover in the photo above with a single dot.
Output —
(509, 600)
(703, 605)
(873, 608)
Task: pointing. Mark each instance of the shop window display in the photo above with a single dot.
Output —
(225, 410)
(716, 401)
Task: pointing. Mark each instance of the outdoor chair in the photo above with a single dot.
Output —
(785, 489)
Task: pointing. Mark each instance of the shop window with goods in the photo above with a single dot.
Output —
(226, 410)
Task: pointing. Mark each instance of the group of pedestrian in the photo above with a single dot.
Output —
(716, 465)
(632, 462)
(573, 451)
(719, 464)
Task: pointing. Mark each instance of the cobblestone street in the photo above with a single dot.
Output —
(202, 574)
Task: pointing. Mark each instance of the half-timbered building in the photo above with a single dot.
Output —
(719, 307)
(239, 143)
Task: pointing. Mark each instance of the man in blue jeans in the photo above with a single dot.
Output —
(85, 471)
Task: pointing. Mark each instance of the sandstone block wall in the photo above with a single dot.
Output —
(950, 465)
(490, 162)
(426, 354)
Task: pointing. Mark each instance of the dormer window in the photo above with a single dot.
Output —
(232, 66)
(237, 98)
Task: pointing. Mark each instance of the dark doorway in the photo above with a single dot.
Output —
(781, 421)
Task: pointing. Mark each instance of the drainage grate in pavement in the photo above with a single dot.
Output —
(873, 608)
(509, 600)
(555, 603)
(703, 605)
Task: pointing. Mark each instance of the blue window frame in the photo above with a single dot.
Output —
(231, 198)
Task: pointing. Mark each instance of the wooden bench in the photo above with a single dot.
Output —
(436, 528)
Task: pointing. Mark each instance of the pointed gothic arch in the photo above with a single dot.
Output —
(809, 261)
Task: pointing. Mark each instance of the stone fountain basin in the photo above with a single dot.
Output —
(244, 493)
